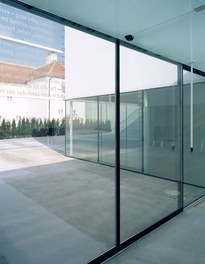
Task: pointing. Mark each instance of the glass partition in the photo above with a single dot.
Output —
(83, 136)
(131, 129)
(194, 165)
(149, 141)
(161, 128)
(106, 129)
(70, 203)
(90, 135)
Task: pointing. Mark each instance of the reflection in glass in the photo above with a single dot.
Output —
(83, 136)
(161, 146)
(149, 141)
(90, 136)
(107, 129)
(131, 131)
(194, 163)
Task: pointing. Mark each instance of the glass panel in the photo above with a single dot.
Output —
(161, 133)
(131, 131)
(90, 135)
(150, 140)
(194, 163)
(83, 119)
(107, 130)
(37, 186)
(53, 208)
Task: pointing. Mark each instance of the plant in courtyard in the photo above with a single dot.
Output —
(27, 128)
(13, 128)
(18, 128)
(62, 127)
(3, 129)
(32, 127)
(8, 129)
(23, 127)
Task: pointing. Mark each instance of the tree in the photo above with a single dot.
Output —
(52, 127)
(28, 131)
(34, 127)
(8, 129)
(13, 128)
(18, 128)
(62, 127)
(3, 128)
(23, 127)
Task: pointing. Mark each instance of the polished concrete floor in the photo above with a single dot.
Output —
(181, 240)
(55, 209)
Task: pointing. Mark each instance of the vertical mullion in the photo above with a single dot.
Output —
(117, 139)
(71, 128)
(98, 136)
(191, 110)
(181, 137)
(143, 136)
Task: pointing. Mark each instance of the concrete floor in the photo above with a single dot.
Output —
(181, 240)
(55, 209)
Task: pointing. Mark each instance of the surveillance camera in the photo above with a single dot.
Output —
(129, 37)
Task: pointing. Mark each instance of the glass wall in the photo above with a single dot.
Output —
(106, 129)
(194, 180)
(83, 136)
(36, 198)
(90, 135)
(161, 128)
(149, 138)
(149, 97)
(69, 203)
(131, 130)
(32, 78)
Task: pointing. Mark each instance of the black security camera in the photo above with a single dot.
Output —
(129, 37)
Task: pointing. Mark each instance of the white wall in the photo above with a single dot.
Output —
(89, 65)
(32, 99)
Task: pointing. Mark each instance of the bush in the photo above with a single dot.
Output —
(33, 127)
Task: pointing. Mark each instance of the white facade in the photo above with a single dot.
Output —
(40, 98)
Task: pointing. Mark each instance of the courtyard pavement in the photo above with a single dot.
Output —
(56, 209)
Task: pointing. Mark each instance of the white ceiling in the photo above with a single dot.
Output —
(170, 28)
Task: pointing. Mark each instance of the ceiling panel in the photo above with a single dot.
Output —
(120, 15)
(161, 26)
